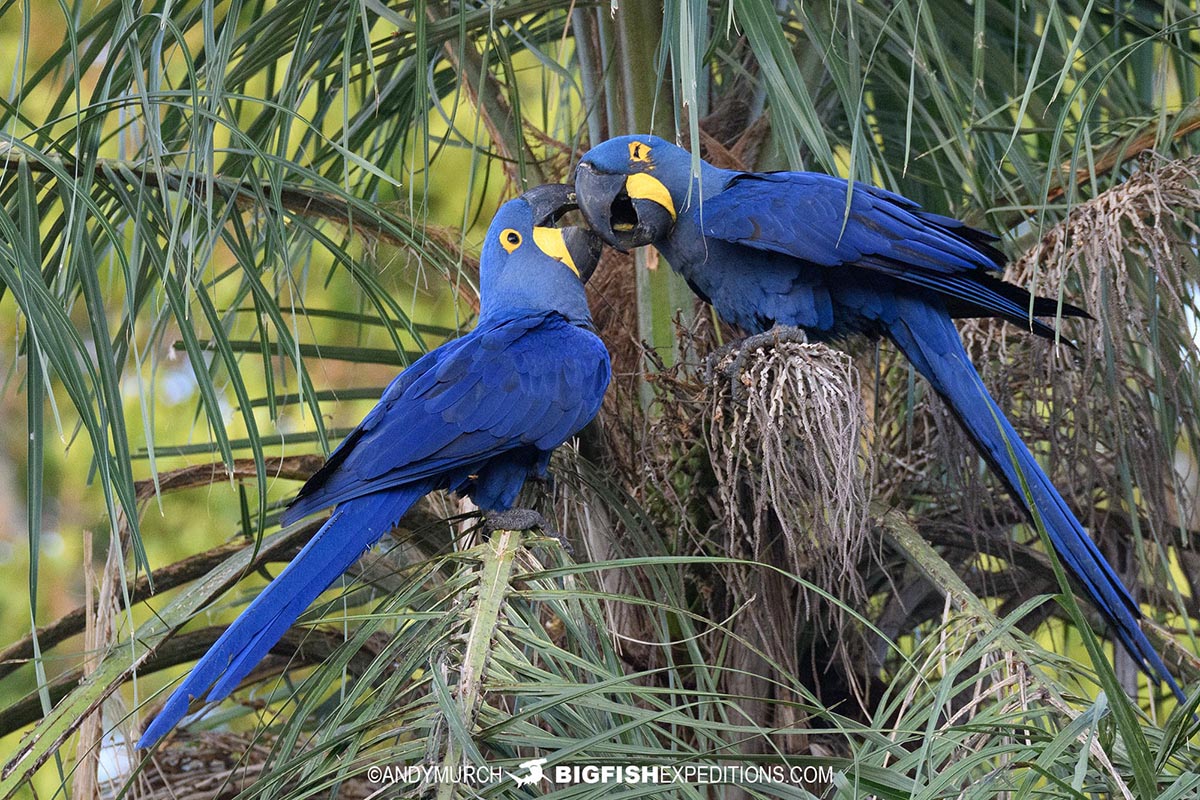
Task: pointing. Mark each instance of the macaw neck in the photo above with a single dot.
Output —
(685, 247)
(504, 305)
(707, 183)
(534, 287)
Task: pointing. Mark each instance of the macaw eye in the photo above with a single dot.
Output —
(639, 152)
(509, 239)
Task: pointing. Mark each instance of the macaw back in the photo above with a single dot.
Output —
(819, 253)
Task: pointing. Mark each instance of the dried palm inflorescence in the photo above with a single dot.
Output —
(762, 458)
(786, 437)
(786, 434)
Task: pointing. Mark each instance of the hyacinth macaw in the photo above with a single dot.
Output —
(476, 416)
(808, 250)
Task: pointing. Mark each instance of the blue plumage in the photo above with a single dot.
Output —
(812, 251)
(477, 416)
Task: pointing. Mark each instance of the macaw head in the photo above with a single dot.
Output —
(527, 264)
(630, 188)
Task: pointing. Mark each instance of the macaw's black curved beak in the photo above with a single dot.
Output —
(585, 248)
(549, 202)
(624, 219)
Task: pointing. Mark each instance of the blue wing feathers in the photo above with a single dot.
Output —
(565, 420)
(459, 404)
(805, 216)
(454, 367)
(499, 385)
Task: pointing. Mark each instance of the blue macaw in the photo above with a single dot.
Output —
(808, 250)
(476, 416)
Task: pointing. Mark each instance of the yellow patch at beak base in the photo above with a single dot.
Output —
(642, 186)
(551, 242)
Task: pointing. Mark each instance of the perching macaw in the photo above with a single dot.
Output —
(476, 416)
(808, 250)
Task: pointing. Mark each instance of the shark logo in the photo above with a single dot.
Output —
(535, 772)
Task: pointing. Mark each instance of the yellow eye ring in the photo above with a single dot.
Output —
(639, 152)
(510, 239)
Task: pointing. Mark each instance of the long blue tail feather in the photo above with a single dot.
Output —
(354, 526)
(931, 343)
